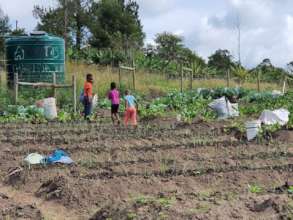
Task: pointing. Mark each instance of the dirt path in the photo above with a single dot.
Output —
(49, 210)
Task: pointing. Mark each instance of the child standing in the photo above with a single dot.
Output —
(130, 109)
(88, 95)
(114, 96)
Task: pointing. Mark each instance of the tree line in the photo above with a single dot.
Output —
(107, 32)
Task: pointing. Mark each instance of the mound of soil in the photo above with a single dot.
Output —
(284, 136)
(58, 188)
(15, 176)
(110, 212)
(10, 210)
(120, 212)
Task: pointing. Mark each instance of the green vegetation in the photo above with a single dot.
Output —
(165, 202)
(290, 189)
(188, 105)
(255, 189)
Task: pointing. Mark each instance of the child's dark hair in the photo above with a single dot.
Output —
(89, 77)
(113, 85)
(127, 92)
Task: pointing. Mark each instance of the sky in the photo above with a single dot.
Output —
(206, 25)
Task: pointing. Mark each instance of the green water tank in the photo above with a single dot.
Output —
(35, 57)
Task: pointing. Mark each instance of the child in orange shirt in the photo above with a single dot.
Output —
(88, 95)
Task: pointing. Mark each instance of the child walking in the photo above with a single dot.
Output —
(130, 109)
(114, 97)
(88, 95)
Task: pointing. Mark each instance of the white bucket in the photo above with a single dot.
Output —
(252, 128)
(50, 109)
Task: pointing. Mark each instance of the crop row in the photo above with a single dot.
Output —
(140, 132)
(258, 156)
(188, 172)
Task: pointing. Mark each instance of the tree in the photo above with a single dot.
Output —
(290, 67)
(115, 24)
(168, 47)
(69, 20)
(18, 32)
(4, 29)
(241, 73)
(268, 71)
(188, 57)
(221, 60)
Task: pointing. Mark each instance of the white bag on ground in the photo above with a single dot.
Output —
(224, 108)
(252, 128)
(50, 109)
(279, 116)
(34, 158)
(277, 93)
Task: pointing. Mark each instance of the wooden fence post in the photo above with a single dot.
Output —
(119, 74)
(15, 88)
(74, 92)
(258, 80)
(54, 88)
(181, 78)
(191, 76)
(1, 72)
(228, 78)
(133, 74)
(284, 85)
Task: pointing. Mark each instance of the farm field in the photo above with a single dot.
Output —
(212, 100)
(162, 170)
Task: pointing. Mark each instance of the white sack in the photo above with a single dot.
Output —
(34, 158)
(279, 116)
(224, 108)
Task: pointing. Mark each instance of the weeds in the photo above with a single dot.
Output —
(131, 216)
(200, 209)
(255, 189)
(162, 201)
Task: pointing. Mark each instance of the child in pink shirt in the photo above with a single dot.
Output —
(114, 97)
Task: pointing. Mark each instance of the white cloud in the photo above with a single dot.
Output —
(21, 10)
(266, 28)
(155, 7)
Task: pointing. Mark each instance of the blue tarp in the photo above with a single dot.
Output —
(59, 156)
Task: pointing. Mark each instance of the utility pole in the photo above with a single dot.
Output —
(65, 23)
(16, 25)
(238, 26)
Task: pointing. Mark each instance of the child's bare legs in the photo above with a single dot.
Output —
(115, 117)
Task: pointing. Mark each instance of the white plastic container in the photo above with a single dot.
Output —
(50, 109)
(252, 129)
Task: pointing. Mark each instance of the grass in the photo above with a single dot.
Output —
(146, 82)
(149, 84)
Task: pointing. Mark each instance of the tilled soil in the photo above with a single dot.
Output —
(157, 171)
